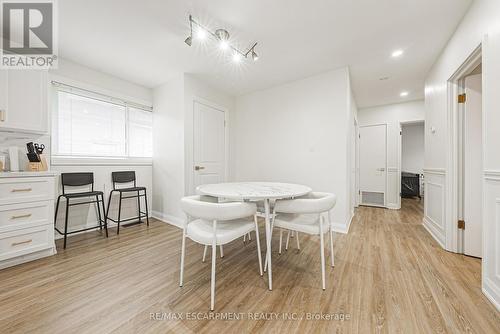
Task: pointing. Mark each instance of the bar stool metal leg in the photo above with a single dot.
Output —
(98, 212)
(105, 215)
(107, 211)
(147, 210)
(57, 209)
(119, 213)
(66, 223)
(139, 207)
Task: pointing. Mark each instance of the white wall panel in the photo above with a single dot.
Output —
(434, 215)
(491, 236)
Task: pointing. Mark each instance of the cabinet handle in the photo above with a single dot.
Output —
(21, 242)
(2, 115)
(21, 216)
(21, 190)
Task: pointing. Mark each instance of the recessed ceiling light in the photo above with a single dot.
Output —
(403, 94)
(397, 53)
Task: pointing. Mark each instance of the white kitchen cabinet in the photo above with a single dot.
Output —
(26, 217)
(23, 100)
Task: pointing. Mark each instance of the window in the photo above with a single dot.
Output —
(91, 126)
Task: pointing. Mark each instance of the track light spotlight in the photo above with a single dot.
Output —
(221, 36)
(255, 56)
(201, 34)
(223, 45)
(236, 57)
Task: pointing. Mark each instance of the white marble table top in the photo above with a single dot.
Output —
(255, 191)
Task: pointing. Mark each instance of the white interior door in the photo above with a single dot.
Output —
(473, 157)
(373, 164)
(209, 145)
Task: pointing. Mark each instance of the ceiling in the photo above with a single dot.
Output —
(143, 41)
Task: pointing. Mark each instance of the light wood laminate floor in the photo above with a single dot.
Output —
(390, 277)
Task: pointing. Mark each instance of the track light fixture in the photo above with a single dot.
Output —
(222, 37)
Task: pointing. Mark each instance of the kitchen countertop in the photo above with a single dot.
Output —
(27, 174)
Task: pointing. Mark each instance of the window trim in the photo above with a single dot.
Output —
(70, 160)
(61, 160)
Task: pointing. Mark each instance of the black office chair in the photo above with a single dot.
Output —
(122, 178)
(80, 180)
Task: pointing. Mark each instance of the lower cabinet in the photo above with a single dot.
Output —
(26, 217)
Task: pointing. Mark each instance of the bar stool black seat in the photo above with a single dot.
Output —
(122, 178)
(80, 180)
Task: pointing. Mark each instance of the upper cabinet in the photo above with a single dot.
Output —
(23, 101)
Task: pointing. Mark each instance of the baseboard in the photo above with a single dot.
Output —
(491, 292)
(28, 257)
(429, 228)
(169, 219)
(393, 206)
(342, 228)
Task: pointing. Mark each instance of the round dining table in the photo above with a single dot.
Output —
(256, 192)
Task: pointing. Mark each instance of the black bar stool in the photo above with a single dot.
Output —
(128, 177)
(80, 180)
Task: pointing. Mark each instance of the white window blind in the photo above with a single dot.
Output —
(89, 125)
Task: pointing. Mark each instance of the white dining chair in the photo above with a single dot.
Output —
(216, 224)
(309, 214)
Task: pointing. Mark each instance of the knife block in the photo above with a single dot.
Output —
(38, 166)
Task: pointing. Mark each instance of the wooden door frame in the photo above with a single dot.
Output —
(386, 163)
(190, 188)
(454, 173)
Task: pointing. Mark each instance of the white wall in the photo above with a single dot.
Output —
(173, 138)
(168, 149)
(413, 148)
(483, 18)
(83, 77)
(86, 77)
(297, 132)
(393, 115)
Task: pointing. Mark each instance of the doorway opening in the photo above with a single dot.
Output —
(412, 135)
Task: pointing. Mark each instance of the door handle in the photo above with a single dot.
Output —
(198, 167)
(381, 169)
(21, 242)
(20, 190)
(2, 115)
